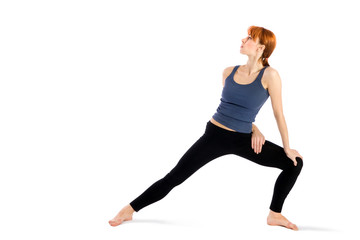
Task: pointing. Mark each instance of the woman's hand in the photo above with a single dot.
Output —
(292, 154)
(257, 140)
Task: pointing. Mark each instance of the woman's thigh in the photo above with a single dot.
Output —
(271, 155)
(207, 148)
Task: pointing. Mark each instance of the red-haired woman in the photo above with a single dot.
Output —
(231, 131)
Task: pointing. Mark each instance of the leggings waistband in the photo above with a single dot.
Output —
(212, 128)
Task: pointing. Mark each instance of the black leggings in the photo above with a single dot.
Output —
(216, 142)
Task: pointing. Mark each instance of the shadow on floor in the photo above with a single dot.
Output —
(318, 229)
(156, 221)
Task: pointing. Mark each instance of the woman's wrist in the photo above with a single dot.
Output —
(254, 128)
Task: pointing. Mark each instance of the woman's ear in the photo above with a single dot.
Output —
(262, 48)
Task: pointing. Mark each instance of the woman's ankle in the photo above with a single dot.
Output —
(272, 213)
(130, 208)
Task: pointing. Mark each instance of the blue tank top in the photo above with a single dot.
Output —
(240, 103)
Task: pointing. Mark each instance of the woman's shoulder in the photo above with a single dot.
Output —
(270, 73)
(270, 76)
(270, 70)
(227, 71)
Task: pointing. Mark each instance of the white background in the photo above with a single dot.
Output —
(100, 99)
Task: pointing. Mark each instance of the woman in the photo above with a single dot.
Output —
(230, 131)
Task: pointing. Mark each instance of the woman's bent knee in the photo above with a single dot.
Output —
(299, 164)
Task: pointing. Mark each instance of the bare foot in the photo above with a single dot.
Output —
(124, 215)
(277, 219)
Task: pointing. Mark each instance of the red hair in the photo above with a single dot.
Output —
(267, 38)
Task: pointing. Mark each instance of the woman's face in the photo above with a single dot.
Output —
(249, 46)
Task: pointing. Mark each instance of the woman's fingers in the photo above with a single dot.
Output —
(295, 162)
(262, 142)
(293, 154)
(256, 143)
(258, 147)
(259, 144)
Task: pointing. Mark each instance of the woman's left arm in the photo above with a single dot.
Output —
(274, 88)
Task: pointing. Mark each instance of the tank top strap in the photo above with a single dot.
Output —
(260, 74)
(234, 70)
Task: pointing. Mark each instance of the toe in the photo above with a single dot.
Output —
(295, 227)
(292, 226)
